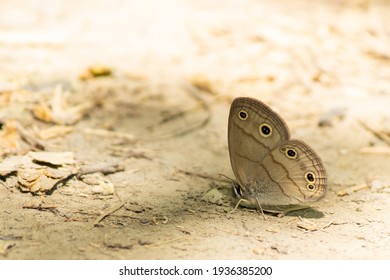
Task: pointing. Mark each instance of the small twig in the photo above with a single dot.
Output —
(11, 237)
(109, 212)
(104, 168)
(328, 224)
(26, 136)
(380, 135)
(4, 184)
(41, 207)
(177, 115)
(332, 222)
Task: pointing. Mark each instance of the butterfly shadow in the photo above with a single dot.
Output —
(227, 193)
(295, 211)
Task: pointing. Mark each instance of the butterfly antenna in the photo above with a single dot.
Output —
(230, 179)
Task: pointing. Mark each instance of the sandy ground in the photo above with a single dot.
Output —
(162, 115)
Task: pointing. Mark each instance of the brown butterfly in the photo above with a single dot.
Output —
(271, 168)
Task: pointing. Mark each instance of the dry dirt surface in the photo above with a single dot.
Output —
(113, 118)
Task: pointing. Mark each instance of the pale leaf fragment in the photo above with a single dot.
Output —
(59, 112)
(100, 185)
(40, 180)
(307, 225)
(54, 158)
(12, 164)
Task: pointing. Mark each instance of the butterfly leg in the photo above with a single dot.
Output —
(238, 204)
(260, 208)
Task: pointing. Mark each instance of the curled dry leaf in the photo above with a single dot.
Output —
(53, 158)
(42, 172)
(272, 229)
(40, 180)
(36, 178)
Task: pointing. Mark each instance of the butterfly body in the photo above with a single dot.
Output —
(271, 168)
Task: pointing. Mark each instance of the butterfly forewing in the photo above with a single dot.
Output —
(248, 145)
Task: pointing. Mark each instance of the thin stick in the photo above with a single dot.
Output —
(377, 134)
(328, 224)
(26, 136)
(109, 212)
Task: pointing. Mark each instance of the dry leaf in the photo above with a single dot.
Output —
(54, 158)
(95, 72)
(12, 164)
(33, 177)
(272, 229)
(100, 184)
(40, 180)
(59, 112)
(307, 225)
(43, 113)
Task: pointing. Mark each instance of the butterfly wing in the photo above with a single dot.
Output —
(254, 131)
(294, 174)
